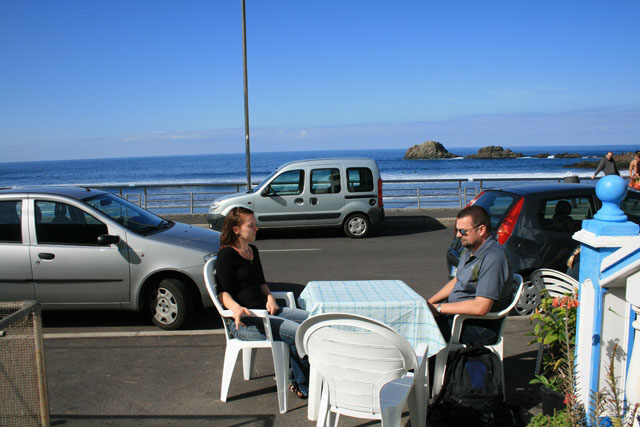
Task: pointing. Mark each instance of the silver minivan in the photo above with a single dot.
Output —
(339, 192)
(79, 248)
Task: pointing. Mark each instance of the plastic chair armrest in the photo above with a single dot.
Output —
(263, 314)
(290, 301)
(458, 322)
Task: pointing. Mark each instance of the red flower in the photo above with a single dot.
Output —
(569, 399)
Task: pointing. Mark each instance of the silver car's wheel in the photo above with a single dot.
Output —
(356, 226)
(170, 304)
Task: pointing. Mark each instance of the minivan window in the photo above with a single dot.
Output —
(359, 180)
(565, 214)
(62, 224)
(325, 181)
(287, 183)
(10, 228)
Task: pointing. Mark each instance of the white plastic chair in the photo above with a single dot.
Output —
(557, 284)
(455, 344)
(365, 369)
(279, 349)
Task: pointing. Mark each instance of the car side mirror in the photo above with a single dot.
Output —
(267, 191)
(107, 239)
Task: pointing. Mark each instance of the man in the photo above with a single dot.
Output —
(608, 165)
(483, 281)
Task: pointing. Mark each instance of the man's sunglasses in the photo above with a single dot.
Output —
(464, 232)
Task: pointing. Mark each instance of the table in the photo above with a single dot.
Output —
(391, 302)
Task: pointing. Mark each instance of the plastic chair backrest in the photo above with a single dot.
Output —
(356, 356)
(519, 282)
(555, 282)
(210, 282)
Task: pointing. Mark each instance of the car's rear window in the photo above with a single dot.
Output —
(565, 214)
(497, 204)
(359, 180)
(631, 206)
(10, 226)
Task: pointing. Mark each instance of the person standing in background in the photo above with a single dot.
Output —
(608, 165)
(633, 167)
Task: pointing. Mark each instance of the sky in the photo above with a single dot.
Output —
(126, 78)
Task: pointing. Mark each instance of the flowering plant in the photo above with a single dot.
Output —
(555, 329)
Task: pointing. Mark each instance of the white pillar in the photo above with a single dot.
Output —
(633, 373)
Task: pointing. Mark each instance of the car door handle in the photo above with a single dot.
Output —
(46, 255)
(298, 201)
(313, 201)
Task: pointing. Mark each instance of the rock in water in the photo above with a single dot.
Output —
(428, 150)
(494, 152)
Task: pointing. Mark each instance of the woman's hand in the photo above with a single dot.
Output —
(238, 313)
(272, 305)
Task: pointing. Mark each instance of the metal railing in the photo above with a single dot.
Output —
(397, 193)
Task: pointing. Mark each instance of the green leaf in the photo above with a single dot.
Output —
(550, 339)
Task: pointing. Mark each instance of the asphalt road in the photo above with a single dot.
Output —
(409, 246)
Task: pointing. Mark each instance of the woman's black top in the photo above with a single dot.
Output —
(240, 277)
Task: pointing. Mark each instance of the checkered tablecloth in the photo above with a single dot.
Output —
(389, 301)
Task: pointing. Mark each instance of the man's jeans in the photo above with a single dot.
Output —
(474, 331)
(284, 325)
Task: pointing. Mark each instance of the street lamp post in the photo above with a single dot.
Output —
(246, 98)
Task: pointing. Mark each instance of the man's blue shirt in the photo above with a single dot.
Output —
(486, 273)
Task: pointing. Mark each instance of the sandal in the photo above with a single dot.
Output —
(294, 389)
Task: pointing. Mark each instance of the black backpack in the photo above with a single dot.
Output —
(472, 392)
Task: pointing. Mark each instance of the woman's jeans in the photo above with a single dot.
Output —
(284, 325)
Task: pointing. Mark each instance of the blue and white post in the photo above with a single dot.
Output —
(609, 298)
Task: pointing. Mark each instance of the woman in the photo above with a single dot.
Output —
(242, 286)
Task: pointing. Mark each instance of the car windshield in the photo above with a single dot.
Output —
(259, 187)
(128, 214)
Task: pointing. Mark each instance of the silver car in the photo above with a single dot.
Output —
(79, 248)
(341, 192)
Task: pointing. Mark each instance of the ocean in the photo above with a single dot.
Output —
(228, 168)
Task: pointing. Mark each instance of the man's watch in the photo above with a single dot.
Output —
(439, 308)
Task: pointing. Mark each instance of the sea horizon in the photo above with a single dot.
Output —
(231, 167)
(557, 149)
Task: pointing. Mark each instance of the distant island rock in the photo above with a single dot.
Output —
(622, 162)
(567, 156)
(494, 152)
(435, 150)
(428, 150)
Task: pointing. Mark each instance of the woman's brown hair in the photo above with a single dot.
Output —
(233, 219)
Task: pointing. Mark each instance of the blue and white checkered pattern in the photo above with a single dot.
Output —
(389, 301)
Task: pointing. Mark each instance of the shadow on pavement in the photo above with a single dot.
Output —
(518, 371)
(266, 420)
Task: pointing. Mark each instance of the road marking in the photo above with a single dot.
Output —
(289, 250)
(133, 334)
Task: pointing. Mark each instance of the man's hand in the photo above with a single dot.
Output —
(272, 305)
(238, 313)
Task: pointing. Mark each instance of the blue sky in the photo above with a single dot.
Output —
(92, 79)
